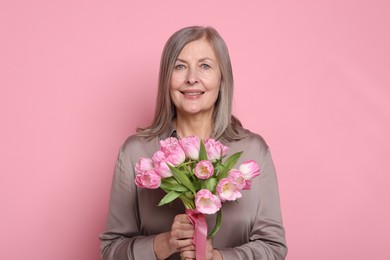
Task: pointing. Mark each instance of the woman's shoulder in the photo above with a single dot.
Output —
(135, 139)
(252, 138)
(140, 145)
(252, 143)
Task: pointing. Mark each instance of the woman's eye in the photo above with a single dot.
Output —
(179, 66)
(205, 66)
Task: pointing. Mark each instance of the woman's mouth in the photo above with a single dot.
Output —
(192, 93)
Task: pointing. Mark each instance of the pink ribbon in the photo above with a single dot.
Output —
(198, 220)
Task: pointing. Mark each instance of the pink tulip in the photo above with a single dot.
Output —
(160, 165)
(215, 149)
(159, 156)
(162, 169)
(191, 147)
(169, 142)
(176, 157)
(238, 178)
(149, 180)
(144, 165)
(173, 151)
(204, 169)
(206, 202)
(249, 169)
(227, 190)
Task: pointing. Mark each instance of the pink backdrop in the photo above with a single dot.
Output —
(312, 77)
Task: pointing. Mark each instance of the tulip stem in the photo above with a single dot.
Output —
(188, 204)
(190, 172)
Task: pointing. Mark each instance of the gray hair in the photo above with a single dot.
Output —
(225, 124)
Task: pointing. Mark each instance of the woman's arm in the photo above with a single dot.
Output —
(121, 240)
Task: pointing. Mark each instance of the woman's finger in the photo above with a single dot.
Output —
(178, 244)
(188, 254)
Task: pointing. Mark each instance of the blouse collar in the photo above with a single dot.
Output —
(170, 131)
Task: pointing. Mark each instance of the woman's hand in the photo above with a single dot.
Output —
(182, 233)
(179, 239)
(211, 254)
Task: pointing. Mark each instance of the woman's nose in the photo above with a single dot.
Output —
(192, 77)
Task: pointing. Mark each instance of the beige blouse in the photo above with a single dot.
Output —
(251, 228)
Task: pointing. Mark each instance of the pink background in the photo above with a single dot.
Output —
(312, 77)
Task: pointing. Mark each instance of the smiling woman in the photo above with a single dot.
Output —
(224, 123)
(194, 100)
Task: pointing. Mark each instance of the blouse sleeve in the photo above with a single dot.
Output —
(121, 239)
(267, 238)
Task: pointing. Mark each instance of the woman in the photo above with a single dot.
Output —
(194, 99)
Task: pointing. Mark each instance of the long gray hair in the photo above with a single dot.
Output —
(225, 124)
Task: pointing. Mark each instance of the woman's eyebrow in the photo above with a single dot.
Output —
(201, 60)
(180, 60)
(206, 59)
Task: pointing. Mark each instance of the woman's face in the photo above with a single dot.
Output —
(196, 79)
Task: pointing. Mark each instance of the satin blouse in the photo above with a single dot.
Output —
(251, 228)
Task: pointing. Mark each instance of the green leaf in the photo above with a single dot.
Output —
(202, 151)
(230, 162)
(173, 187)
(182, 178)
(218, 222)
(209, 184)
(189, 195)
(218, 167)
(169, 180)
(167, 184)
(171, 196)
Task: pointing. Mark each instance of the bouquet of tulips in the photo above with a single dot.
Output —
(198, 173)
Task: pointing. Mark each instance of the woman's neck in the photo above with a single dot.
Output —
(193, 126)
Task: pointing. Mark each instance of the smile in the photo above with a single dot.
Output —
(192, 93)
